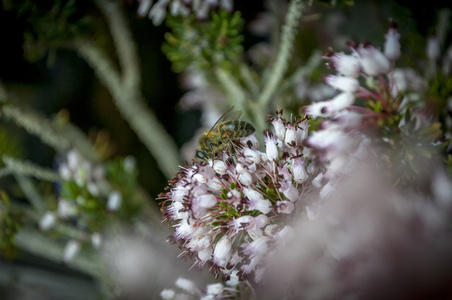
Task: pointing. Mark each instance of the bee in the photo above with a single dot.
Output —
(222, 134)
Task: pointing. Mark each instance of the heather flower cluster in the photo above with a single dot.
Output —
(232, 213)
(187, 289)
(201, 8)
(341, 139)
(85, 192)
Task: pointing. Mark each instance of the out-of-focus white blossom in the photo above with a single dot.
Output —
(114, 201)
(214, 289)
(347, 65)
(47, 221)
(156, 11)
(373, 62)
(167, 294)
(392, 44)
(71, 249)
(343, 83)
(187, 285)
(433, 50)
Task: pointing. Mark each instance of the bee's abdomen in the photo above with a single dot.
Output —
(236, 129)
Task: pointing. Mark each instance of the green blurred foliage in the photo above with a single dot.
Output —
(91, 210)
(10, 145)
(51, 25)
(205, 45)
(11, 220)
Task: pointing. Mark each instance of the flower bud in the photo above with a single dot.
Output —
(220, 167)
(222, 252)
(187, 285)
(392, 44)
(433, 48)
(280, 129)
(114, 201)
(298, 170)
(291, 136)
(47, 221)
(71, 249)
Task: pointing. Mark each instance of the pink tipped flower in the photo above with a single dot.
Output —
(289, 191)
(291, 136)
(298, 170)
(257, 201)
(246, 179)
(251, 139)
(338, 103)
(343, 83)
(317, 109)
(270, 146)
(302, 131)
(249, 222)
(285, 207)
(341, 101)
(280, 129)
(347, 119)
(347, 65)
(241, 223)
(252, 155)
(372, 60)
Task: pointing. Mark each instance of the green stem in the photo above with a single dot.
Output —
(289, 31)
(129, 102)
(30, 169)
(125, 46)
(33, 241)
(29, 189)
(36, 124)
(234, 91)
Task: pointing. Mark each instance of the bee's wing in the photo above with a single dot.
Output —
(229, 115)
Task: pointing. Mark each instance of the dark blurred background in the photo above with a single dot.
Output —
(65, 82)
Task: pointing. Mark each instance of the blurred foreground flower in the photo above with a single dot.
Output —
(369, 241)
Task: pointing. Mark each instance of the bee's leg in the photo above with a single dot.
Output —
(233, 153)
(200, 155)
(210, 145)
